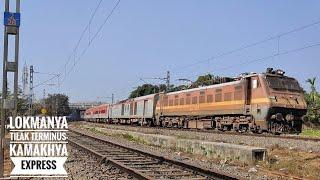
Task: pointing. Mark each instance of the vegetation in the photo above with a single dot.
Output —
(57, 104)
(205, 80)
(146, 89)
(313, 102)
(22, 102)
(311, 133)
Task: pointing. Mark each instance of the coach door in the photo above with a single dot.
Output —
(145, 107)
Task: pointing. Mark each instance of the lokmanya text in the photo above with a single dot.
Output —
(38, 137)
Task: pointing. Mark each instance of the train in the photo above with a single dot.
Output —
(251, 102)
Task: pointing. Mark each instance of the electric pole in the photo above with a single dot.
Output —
(31, 89)
(25, 81)
(11, 23)
(168, 80)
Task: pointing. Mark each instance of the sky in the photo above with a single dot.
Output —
(143, 39)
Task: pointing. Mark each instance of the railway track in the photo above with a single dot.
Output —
(140, 164)
(284, 136)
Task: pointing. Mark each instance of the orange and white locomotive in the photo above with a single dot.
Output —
(254, 102)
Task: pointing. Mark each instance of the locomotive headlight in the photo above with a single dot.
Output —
(280, 72)
(273, 98)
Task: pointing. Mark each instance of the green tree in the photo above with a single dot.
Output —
(22, 104)
(147, 89)
(313, 93)
(203, 81)
(57, 104)
(313, 102)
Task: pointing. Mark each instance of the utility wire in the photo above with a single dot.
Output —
(272, 56)
(44, 82)
(74, 49)
(252, 44)
(265, 58)
(82, 34)
(92, 39)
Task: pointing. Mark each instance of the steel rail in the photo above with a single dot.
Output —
(135, 170)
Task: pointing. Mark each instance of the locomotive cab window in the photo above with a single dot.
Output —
(255, 83)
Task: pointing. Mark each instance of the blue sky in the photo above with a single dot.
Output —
(146, 38)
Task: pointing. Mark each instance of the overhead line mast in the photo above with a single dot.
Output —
(11, 23)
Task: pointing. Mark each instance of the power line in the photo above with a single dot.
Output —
(278, 36)
(73, 54)
(266, 57)
(44, 82)
(272, 56)
(260, 42)
(92, 39)
(82, 34)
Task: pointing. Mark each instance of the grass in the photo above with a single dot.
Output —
(311, 133)
(126, 136)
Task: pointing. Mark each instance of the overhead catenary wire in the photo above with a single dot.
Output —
(92, 39)
(82, 35)
(246, 46)
(274, 37)
(295, 50)
(75, 49)
(277, 36)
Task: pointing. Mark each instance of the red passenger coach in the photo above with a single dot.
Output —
(98, 113)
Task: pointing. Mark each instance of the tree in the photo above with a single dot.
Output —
(313, 92)
(22, 104)
(203, 81)
(313, 102)
(147, 89)
(57, 104)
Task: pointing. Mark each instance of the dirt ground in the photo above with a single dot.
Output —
(292, 162)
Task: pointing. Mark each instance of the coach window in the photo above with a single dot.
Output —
(181, 101)
(194, 100)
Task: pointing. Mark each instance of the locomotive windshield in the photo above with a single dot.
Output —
(283, 83)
